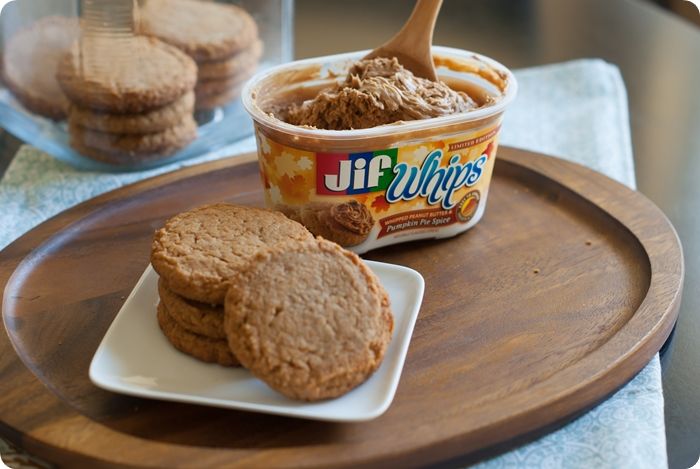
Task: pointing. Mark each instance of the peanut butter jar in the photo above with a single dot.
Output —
(368, 188)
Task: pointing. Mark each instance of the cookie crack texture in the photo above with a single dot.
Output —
(308, 318)
(196, 252)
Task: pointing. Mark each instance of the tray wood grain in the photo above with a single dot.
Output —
(559, 296)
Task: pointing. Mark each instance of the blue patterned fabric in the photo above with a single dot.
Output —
(576, 110)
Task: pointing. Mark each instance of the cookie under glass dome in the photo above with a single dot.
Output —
(119, 85)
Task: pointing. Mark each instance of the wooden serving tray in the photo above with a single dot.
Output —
(559, 296)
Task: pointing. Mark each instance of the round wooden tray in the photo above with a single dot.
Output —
(559, 296)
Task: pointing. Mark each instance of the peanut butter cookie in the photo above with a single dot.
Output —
(135, 75)
(128, 148)
(200, 347)
(157, 120)
(211, 87)
(30, 61)
(203, 30)
(219, 69)
(309, 319)
(197, 252)
(200, 318)
(211, 101)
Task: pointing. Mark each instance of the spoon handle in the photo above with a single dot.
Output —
(412, 44)
(418, 30)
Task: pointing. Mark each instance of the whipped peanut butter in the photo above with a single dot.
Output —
(376, 92)
(366, 154)
(347, 223)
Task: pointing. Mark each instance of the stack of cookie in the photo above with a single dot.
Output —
(29, 64)
(221, 38)
(131, 100)
(249, 286)
(195, 254)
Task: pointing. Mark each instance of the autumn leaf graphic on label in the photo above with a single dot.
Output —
(295, 189)
(286, 164)
(380, 204)
(489, 150)
(305, 163)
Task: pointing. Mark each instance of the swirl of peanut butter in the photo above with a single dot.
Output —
(353, 216)
(376, 92)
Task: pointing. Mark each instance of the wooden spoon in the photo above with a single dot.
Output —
(411, 46)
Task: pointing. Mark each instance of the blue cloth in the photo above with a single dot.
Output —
(575, 110)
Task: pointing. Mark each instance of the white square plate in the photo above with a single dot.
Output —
(135, 358)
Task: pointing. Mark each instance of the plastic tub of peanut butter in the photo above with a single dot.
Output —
(366, 154)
